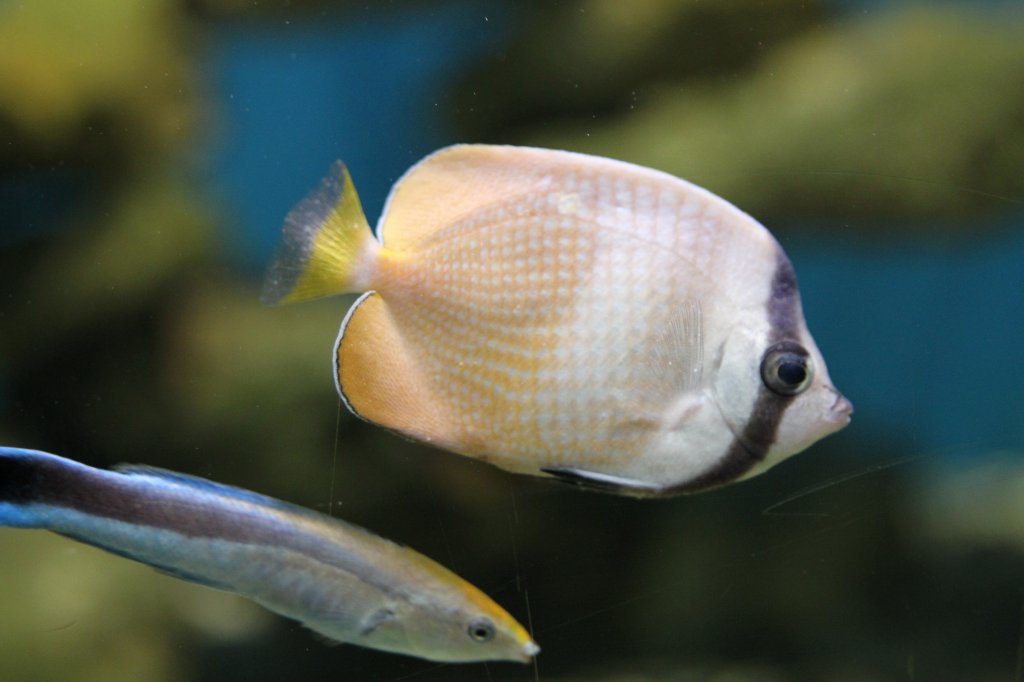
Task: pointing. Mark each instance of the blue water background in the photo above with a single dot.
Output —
(923, 335)
(370, 91)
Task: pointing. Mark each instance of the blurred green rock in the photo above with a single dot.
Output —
(73, 612)
(88, 73)
(915, 115)
(596, 59)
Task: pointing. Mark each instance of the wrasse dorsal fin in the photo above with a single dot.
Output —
(208, 486)
(204, 485)
(322, 244)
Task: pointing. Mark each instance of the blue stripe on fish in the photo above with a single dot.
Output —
(17, 516)
(19, 483)
(44, 483)
(41, 490)
(31, 480)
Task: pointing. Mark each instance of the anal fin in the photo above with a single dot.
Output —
(381, 377)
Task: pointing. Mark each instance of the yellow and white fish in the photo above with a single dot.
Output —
(567, 315)
(337, 579)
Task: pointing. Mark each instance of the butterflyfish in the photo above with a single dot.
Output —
(566, 315)
(339, 580)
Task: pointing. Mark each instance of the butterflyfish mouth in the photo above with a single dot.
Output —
(529, 650)
(841, 408)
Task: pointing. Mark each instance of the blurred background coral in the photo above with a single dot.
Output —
(150, 149)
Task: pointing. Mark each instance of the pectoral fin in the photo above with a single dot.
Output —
(375, 620)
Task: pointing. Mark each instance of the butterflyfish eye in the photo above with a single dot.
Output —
(481, 630)
(786, 368)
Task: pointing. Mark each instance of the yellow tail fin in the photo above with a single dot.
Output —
(326, 247)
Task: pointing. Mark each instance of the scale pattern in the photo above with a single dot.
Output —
(552, 324)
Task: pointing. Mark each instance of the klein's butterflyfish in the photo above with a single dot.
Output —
(566, 315)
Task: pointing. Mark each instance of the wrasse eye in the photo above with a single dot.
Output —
(786, 368)
(481, 630)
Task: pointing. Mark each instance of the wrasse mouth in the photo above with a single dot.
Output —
(529, 650)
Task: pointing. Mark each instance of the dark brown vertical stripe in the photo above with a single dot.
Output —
(752, 445)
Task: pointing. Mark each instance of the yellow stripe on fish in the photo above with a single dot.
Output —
(566, 315)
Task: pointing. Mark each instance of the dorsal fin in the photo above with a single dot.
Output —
(205, 485)
(458, 181)
(326, 245)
